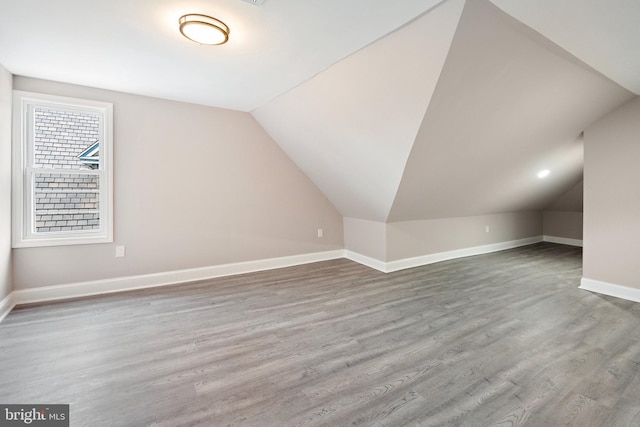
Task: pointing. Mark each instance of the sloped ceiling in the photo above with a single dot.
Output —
(570, 201)
(420, 125)
(508, 104)
(604, 34)
(351, 128)
(134, 45)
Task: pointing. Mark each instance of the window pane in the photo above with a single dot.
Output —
(65, 139)
(66, 202)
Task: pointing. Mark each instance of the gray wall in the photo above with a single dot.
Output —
(365, 237)
(567, 225)
(564, 217)
(194, 186)
(612, 197)
(5, 183)
(570, 201)
(409, 239)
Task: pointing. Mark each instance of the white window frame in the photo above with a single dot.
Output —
(23, 205)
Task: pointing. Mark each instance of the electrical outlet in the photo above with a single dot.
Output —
(320, 232)
(486, 228)
(119, 251)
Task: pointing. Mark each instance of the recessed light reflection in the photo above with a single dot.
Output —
(543, 173)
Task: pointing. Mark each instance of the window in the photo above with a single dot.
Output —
(62, 157)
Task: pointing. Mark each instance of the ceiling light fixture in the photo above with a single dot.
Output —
(204, 29)
(543, 173)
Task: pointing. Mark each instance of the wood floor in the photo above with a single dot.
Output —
(503, 339)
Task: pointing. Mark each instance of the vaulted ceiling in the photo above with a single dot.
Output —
(452, 115)
(508, 104)
(134, 45)
(352, 127)
(397, 111)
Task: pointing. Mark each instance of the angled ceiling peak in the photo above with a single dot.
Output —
(603, 34)
(509, 104)
(351, 127)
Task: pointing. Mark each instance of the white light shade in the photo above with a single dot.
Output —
(204, 29)
(543, 173)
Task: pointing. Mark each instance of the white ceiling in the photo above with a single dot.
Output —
(351, 127)
(604, 34)
(457, 122)
(134, 46)
(487, 133)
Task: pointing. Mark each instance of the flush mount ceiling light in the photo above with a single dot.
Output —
(543, 173)
(204, 29)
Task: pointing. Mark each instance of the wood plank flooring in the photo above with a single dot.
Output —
(504, 339)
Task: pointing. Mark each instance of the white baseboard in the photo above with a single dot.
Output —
(458, 253)
(120, 284)
(562, 240)
(402, 264)
(618, 291)
(6, 305)
(367, 261)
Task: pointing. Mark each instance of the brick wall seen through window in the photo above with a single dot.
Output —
(65, 202)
